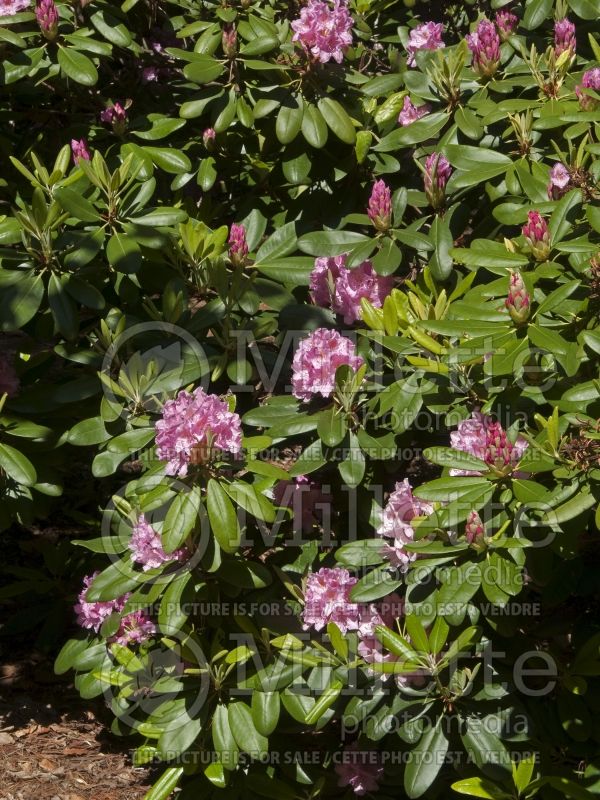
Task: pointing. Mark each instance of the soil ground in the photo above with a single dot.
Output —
(55, 746)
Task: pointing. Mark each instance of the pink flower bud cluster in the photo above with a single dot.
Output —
(333, 284)
(564, 37)
(229, 41)
(316, 360)
(484, 438)
(238, 247)
(115, 115)
(46, 14)
(411, 113)
(192, 427)
(474, 529)
(435, 177)
(146, 546)
(324, 29)
(208, 138)
(427, 36)
(484, 44)
(537, 235)
(506, 24)
(380, 206)
(518, 301)
(79, 148)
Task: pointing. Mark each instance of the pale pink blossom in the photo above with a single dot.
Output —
(474, 528)
(316, 360)
(560, 177)
(8, 8)
(324, 29)
(146, 546)
(333, 284)
(401, 508)
(327, 599)
(427, 36)
(484, 438)
(91, 615)
(361, 770)
(192, 426)
(411, 113)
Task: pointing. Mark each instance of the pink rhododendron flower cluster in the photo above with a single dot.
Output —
(9, 381)
(484, 438)
(484, 44)
(564, 37)
(401, 508)
(316, 360)
(537, 235)
(91, 615)
(411, 113)
(8, 8)
(427, 36)
(333, 284)
(560, 177)
(146, 546)
(385, 612)
(135, 628)
(590, 80)
(361, 770)
(324, 30)
(306, 498)
(327, 599)
(192, 425)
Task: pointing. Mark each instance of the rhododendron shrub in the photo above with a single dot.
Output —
(299, 328)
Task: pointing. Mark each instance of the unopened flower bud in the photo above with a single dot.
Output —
(518, 301)
(208, 139)
(46, 14)
(436, 176)
(238, 247)
(380, 206)
(564, 37)
(506, 24)
(80, 150)
(475, 531)
(115, 115)
(229, 41)
(537, 235)
(484, 44)
(590, 80)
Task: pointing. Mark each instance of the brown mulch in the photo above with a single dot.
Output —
(55, 746)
